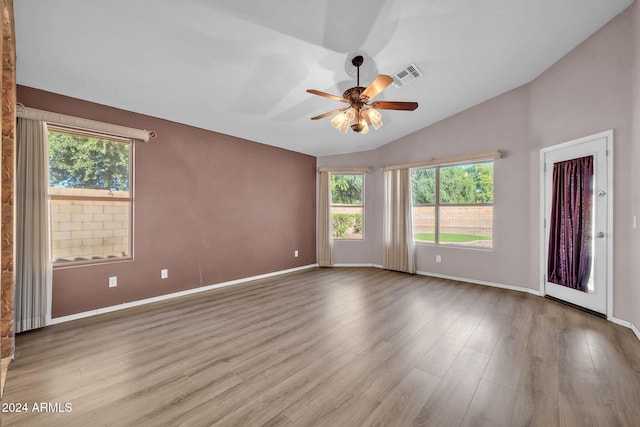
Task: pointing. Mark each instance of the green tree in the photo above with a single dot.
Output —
(81, 161)
(343, 222)
(423, 186)
(482, 174)
(456, 185)
(463, 184)
(347, 189)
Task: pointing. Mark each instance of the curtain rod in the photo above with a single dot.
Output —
(492, 155)
(80, 123)
(343, 169)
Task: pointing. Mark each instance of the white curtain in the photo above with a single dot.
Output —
(325, 232)
(399, 249)
(33, 263)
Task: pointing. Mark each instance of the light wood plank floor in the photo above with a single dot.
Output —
(333, 347)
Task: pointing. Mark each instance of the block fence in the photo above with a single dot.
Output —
(89, 229)
(476, 220)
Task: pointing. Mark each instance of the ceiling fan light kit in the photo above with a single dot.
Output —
(359, 108)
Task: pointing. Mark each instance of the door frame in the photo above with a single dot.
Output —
(608, 135)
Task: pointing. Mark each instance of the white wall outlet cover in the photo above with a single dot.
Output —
(113, 281)
(164, 274)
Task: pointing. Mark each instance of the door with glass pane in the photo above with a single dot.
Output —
(576, 222)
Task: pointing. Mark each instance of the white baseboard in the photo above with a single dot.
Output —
(123, 306)
(459, 279)
(482, 282)
(621, 322)
(626, 324)
(137, 303)
(358, 265)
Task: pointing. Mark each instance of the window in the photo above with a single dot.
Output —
(453, 205)
(91, 202)
(347, 205)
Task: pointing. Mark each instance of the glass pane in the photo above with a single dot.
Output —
(84, 161)
(347, 189)
(424, 224)
(89, 230)
(347, 222)
(423, 186)
(571, 229)
(466, 225)
(465, 184)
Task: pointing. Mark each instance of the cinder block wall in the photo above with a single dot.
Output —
(89, 229)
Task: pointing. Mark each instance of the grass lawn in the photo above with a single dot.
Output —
(450, 237)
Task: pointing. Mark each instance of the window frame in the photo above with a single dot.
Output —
(438, 204)
(361, 206)
(114, 198)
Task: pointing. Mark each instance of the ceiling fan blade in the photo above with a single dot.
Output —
(377, 86)
(394, 105)
(327, 95)
(322, 116)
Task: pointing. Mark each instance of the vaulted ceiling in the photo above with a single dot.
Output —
(242, 67)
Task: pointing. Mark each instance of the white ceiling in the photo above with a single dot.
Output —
(241, 67)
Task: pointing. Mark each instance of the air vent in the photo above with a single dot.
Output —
(409, 74)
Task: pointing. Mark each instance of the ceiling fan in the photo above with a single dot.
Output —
(360, 106)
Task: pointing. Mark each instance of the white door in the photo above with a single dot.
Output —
(595, 295)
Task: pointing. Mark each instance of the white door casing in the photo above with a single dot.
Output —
(599, 297)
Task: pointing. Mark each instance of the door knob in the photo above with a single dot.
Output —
(600, 235)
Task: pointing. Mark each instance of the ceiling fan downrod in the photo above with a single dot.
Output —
(357, 62)
(354, 95)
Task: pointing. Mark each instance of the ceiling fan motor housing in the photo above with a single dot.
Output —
(353, 95)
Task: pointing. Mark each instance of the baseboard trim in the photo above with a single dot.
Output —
(621, 322)
(481, 282)
(459, 279)
(626, 324)
(173, 295)
(131, 304)
(358, 265)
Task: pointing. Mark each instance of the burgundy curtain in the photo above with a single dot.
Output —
(569, 262)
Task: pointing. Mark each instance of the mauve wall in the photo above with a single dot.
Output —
(473, 131)
(588, 91)
(208, 207)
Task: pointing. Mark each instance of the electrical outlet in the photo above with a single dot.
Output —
(295, 254)
(164, 273)
(438, 258)
(113, 281)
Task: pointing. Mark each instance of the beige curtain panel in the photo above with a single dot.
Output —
(325, 232)
(399, 250)
(33, 264)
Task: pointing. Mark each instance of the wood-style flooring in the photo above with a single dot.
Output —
(332, 347)
(4, 367)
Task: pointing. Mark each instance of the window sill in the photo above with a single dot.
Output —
(91, 262)
(453, 245)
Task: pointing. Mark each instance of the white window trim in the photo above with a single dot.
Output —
(437, 204)
(130, 199)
